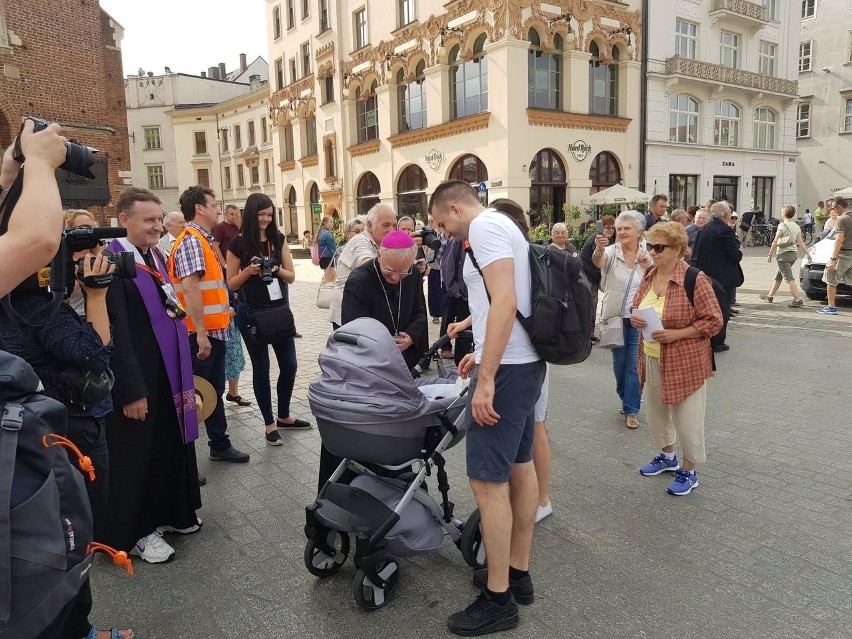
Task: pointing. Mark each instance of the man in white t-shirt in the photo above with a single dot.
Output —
(505, 385)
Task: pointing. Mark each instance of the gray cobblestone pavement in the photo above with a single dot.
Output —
(762, 549)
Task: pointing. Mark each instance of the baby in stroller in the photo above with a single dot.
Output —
(372, 412)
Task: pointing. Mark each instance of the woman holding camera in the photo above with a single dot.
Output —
(260, 267)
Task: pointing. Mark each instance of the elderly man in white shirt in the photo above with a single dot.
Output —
(174, 223)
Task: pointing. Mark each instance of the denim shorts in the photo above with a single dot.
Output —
(493, 450)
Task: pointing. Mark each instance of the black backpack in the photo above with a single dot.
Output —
(558, 327)
(718, 290)
(45, 517)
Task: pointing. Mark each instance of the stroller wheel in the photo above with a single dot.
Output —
(371, 596)
(323, 562)
(471, 544)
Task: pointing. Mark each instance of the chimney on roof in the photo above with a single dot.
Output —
(254, 81)
(223, 74)
(243, 65)
(204, 74)
(213, 73)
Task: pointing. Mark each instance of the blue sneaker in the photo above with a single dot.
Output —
(683, 483)
(827, 310)
(660, 465)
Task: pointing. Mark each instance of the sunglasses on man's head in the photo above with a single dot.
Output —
(657, 248)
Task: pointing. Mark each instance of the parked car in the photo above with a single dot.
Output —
(810, 275)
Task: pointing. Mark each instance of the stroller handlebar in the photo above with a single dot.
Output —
(439, 345)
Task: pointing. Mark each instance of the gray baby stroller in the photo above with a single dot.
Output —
(371, 412)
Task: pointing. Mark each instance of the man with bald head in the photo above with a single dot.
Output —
(701, 219)
(174, 223)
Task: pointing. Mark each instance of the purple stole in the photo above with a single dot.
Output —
(173, 339)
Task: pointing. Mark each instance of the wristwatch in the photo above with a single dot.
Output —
(833, 259)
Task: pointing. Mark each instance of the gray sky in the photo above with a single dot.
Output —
(188, 35)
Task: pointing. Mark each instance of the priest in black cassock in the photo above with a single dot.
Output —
(387, 289)
(154, 480)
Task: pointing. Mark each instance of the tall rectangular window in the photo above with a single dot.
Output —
(238, 138)
(310, 136)
(254, 173)
(289, 147)
(771, 7)
(155, 176)
(276, 22)
(806, 50)
(279, 74)
(803, 120)
(266, 173)
(152, 138)
(849, 47)
(808, 8)
(847, 118)
(306, 9)
(306, 59)
(360, 25)
(252, 140)
(293, 74)
(766, 58)
(686, 39)
(291, 14)
(241, 178)
(223, 135)
(730, 50)
(202, 177)
(227, 171)
(323, 11)
(683, 191)
(264, 133)
(328, 93)
(200, 143)
(405, 10)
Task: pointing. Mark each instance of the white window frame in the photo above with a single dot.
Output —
(306, 9)
(154, 132)
(806, 56)
(808, 9)
(686, 40)
(847, 116)
(325, 21)
(195, 143)
(294, 70)
(691, 118)
(276, 22)
(159, 176)
(291, 14)
(849, 48)
(803, 120)
(360, 29)
(767, 53)
(732, 48)
(406, 13)
(771, 9)
(765, 128)
(280, 77)
(733, 125)
(305, 51)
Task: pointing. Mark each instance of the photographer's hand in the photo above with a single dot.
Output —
(46, 146)
(96, 308)
(9, 169)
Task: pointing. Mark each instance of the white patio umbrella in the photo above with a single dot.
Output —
(618, 194)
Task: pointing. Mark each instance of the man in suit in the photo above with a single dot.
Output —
(717, 253)
(174, 223)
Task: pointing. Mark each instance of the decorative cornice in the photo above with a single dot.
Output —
(309, 160)
(324, 50)
(454, 127)
(564, 120)
(365, 148)
(287, 165)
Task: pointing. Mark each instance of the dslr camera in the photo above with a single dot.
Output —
(430, 238)
(267, 264)
(78, 159)
(85, 238)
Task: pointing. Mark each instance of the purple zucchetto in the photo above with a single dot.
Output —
(397, 240)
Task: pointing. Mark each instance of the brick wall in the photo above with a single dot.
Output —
(69, 70)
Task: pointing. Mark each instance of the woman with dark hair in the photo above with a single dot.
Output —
(259, 239)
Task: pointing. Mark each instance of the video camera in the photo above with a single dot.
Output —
(85, 238)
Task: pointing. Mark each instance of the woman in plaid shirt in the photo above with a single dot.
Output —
(674, 367)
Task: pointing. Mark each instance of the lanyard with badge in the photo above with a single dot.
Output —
(170, 299)
(273, 287)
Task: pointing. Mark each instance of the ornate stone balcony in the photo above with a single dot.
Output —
(716, 74)
(750, 14)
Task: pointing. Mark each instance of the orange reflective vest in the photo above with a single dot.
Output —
(214, 295)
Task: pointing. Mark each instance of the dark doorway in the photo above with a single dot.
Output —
(547, 187)
(726, 188)
(762, 191)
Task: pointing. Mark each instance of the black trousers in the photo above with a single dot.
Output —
(455, 310)
(719, 338)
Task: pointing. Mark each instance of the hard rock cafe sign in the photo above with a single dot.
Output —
(579, 150)
(434, 159)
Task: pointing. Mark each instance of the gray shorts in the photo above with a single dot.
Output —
(493, 450)
(785, 261)
(843, 274)
(541, 404)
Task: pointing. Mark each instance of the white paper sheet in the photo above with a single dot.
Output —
(654, 323)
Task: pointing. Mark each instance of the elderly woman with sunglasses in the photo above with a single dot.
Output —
(622, 266)
(675, 364)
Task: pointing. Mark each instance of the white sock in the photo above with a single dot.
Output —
(668, 456)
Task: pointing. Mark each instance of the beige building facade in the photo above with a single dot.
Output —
(533, 101)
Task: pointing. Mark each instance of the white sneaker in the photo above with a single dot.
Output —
(543, 511)
(181, 531)
(153, 549)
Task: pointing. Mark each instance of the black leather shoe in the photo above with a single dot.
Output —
(721, 348)
(202, 480)
(229, 455)
(238, 399)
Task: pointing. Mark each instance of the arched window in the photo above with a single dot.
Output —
(683, 119)
(411, 192)
(469, 81)
(367, 114)
(547, 185)
(469, 168)
(604, 172)
(603, 83)
(330, 163)
(412, 99)
(544, 73)
(315, 208)
(726, 124)
(367, 193)
(764, 128)
(293, 212)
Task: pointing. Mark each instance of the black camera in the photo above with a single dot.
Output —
(267, 264)
(430, 238)
(78, 159)
(125, 268)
